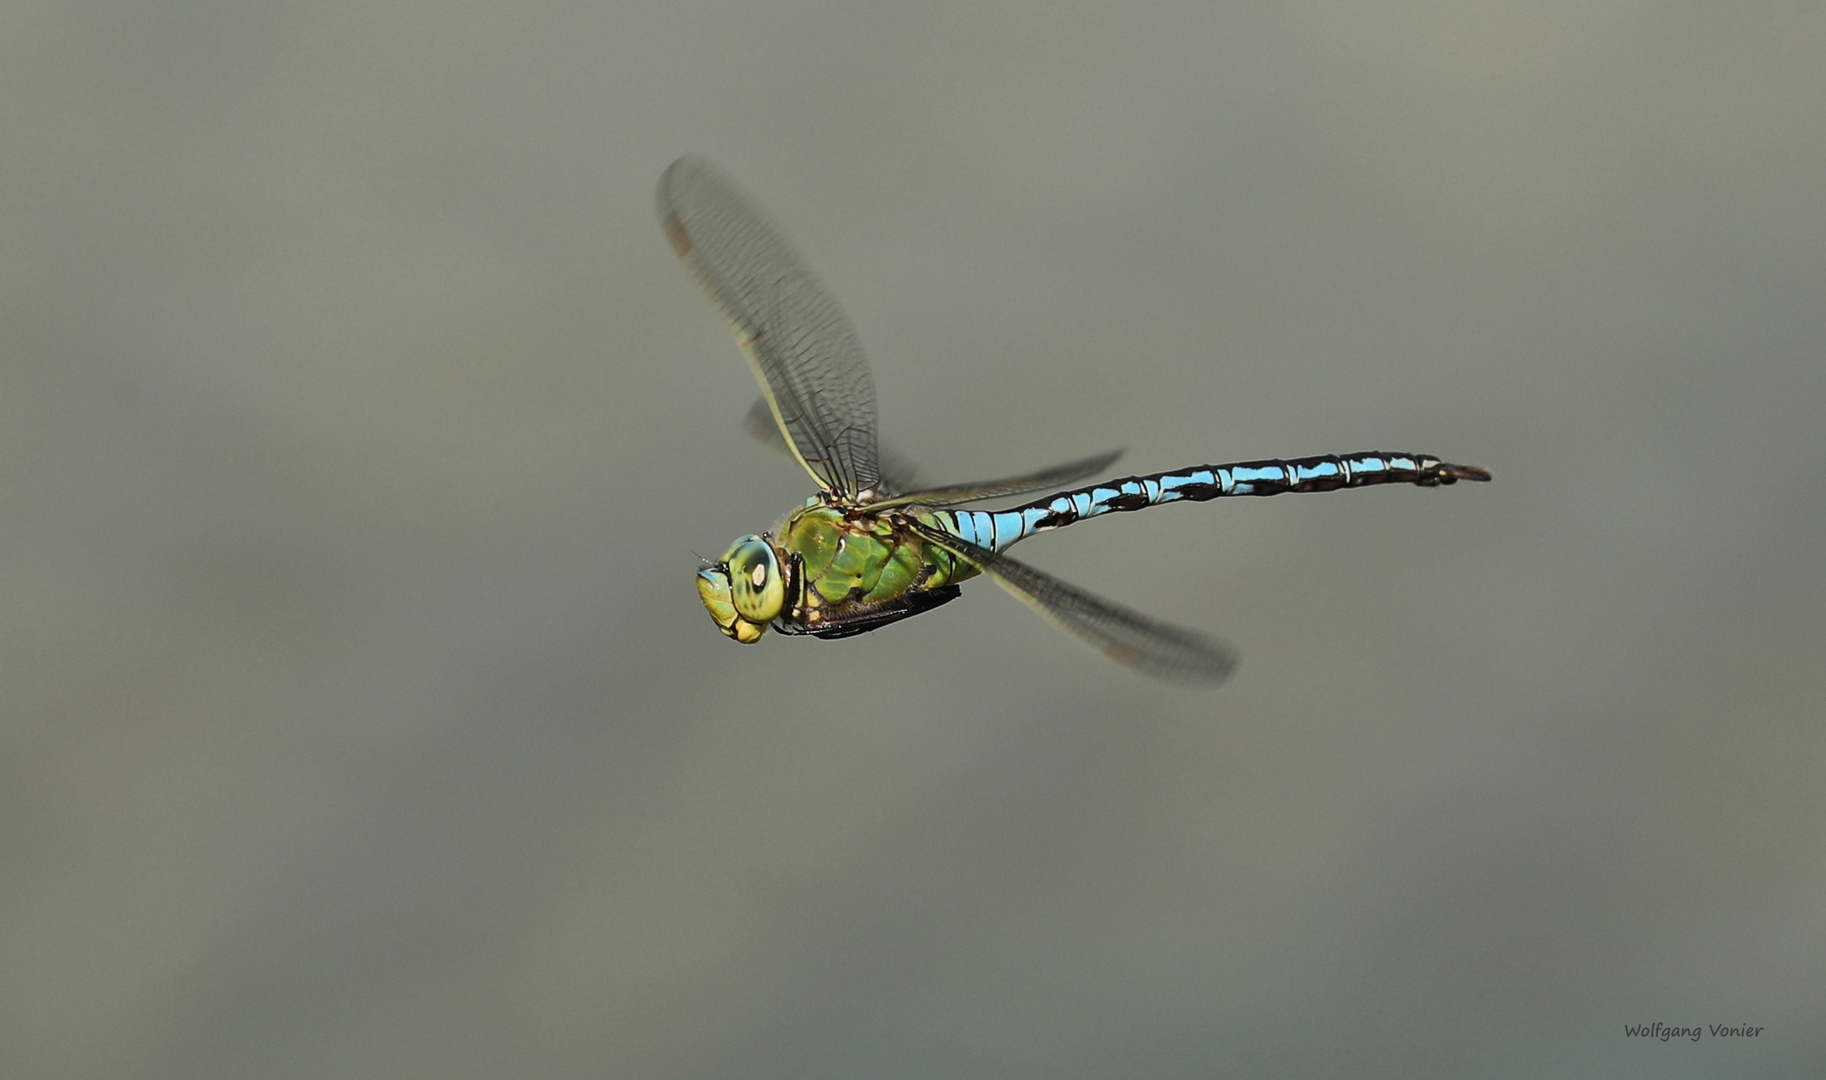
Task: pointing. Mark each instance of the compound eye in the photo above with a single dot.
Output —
(755, 583)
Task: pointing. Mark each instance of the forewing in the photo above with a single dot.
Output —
(956, 494)
(802, 347)
(1125, 636)
(896, 472)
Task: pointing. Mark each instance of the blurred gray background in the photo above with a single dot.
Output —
(358, 717)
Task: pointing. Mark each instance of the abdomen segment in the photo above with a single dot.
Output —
(998, 529)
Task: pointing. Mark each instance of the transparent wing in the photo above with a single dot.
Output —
(802, 347)
(1125, 636)
(956, 494)
(897, 473)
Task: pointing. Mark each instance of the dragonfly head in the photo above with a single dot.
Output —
(745, 590)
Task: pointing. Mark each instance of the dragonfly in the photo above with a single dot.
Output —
(870, 548)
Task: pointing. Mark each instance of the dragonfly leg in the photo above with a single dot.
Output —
(850, 620)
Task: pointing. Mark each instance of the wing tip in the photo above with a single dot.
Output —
(1208, 671)
(665, 201)
(1197, 659)
(676, 235)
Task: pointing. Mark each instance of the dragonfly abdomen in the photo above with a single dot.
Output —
(998, 529)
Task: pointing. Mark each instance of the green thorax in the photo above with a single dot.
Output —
(861, 558)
